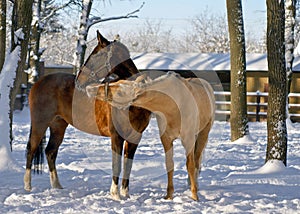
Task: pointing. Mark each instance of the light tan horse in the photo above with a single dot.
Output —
(184, 109)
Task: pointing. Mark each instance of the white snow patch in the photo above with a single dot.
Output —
(271, 166)
(247, 139)
(7, 77)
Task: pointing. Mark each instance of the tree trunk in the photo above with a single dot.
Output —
(21, 24)
(290, 15)
(238, 115)
(83, 33)
(2, 32)
(276, 122)
(35, 55)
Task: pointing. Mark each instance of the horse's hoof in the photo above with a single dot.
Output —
(56, 185)
(195, 197)
(114, 192)
(27, 188)
(115, 196)
(168, 197)
(124, 192)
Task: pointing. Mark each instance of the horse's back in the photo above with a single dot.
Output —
(49, 94)
(52, 83)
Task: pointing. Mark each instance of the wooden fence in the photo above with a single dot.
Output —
(257, 105)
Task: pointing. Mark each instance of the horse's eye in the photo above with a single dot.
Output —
(92, 73)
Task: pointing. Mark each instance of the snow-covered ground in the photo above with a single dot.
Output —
(232, 178)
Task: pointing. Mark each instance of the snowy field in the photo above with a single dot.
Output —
(231, 181)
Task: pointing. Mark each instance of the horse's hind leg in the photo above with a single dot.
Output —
(200, 145)
(36, 134)
(57, 131)
(129, 151)
(190, 164)
(168, 148)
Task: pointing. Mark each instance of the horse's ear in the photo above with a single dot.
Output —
(141, 78)
(101, 40)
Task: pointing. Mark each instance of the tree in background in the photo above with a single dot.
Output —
(11, 74)
(238, 115)
(20, 33)
(209, 34)
(2, 32)
(289, 34)
(45, 20)
(201, 34)
(86, 23)
(290, 15)
(276, 122)
(34, 51)
(83, 33)
(59, 47)
(142, 39)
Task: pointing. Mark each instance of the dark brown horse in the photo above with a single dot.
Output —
(55, 102)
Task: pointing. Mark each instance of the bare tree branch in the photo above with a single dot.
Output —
(53, 12)
(94, 20)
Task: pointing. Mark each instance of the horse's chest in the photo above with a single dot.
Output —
(90, 115)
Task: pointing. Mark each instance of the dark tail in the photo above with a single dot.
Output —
(38, 160)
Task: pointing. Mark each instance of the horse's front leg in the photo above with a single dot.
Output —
(129, 151)
(117, 149)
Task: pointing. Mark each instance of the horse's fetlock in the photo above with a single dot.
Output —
(55, 184)
(114, 190)
(27, 180)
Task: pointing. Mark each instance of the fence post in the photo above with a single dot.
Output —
(257, 106)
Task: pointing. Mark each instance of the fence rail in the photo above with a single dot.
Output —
(257, 105)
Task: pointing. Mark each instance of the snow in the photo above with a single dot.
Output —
(19, 35)
(199, 61)
(234, 178)
(7, 77)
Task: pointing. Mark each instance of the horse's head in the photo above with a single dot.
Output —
(109, 61)
(119, 94)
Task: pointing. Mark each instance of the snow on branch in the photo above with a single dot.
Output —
(97, 19)
(55, 9)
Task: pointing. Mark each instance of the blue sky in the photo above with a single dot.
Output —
(176, 13)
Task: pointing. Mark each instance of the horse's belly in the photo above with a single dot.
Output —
(86, 126)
